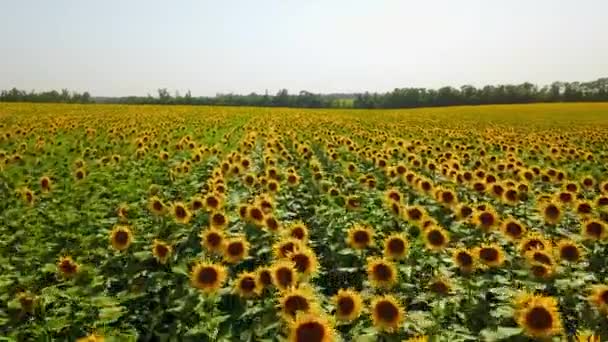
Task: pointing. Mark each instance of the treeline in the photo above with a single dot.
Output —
(304, 99)
(502, 94)
(53, 96)
(593, 91)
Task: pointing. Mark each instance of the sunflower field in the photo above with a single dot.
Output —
(167, 223)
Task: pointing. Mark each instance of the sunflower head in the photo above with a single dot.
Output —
(512, 229)
(212, 240)
(349, 305)
(255, 215)
(486, 219)
(569, 250)
(533, 241)
(541, 271)
(381, 273)
(271, 223)
(298, 230)
(246, 285)
(304, 260)
(490, 255)
(297, 300)
(584, 208)
(540, 256)
(218, 219)
(156, 206)
(121, 237)
(28, 196)
(212, 202)
(263, 278)
(161, 251)
(539, 317)
(27, 301)
(197, 203)
(463, 212)
(599, 297)
(396, 246)
(284, 275)
(464, 259)
(594, 229)
(551, 212)
(308, 327)
(181, 212)
(360, 236)
(436, 238)
(284, 247)
(387, 313)
(208, 277)
(45, 184)
(67, 266)
(353, 202)
(235, 249)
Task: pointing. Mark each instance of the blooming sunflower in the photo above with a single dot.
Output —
(309, 327)
(381, 272)
(387, 313)
(539, 317)
(212, 240)
(512, 229)
(286, 246)
(298, 230)
(463, 212)
(533, 241)
(246, 285)
(436, 238)
(235, 249)
(67, 266)
(360, 236)
(415, 214)
(295, 300)
(45, 184)
(485, 219)
(304, 260)
(156, 206)
(255, 215)
(440, 286)
(284, 274)
(218, 220)
(349, 305)
(599, 297)
(208, 277)
(551, 212)
(181, 213)
(464, 259)
(594, 229)
(569, 250)
(263, 278)
(161, 251)
(490, 255)
(271, 223)
(396, 246)
(121, 237)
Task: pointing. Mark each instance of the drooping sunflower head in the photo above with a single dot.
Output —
(539, 317)
(284, 275)
(490, 255)
(360, 236)
(121, 237)
(235, 249)
(67, 266)
(569, 250)
(396, 246)
(308, 327)
(594, 229)
(599, 297)
(464, 259)
(161, 251)
(297, 300)
(381, 273)
(387, 313)
(181, 213)
(348, 304)
(512, 229)
(208, 277)
(436, 238)
(246, 285)
(304, 260)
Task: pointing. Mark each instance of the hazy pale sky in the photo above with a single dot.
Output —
(133, 47)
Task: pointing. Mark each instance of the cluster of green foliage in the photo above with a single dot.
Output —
(53, 96)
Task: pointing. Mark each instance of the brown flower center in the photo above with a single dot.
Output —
(310, 332)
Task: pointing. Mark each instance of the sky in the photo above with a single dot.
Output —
(134, 47)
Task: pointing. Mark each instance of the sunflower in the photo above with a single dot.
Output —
(464, 259)
(196, 203)
(551, 212)
(208, 277)
(235, 249)
(513, 229)
(436, 238)
(284, 274)
(381, 272)
(565, 197)
(353, 202)
(45, 184)
(28, 196)
(540, 256)
(511, 196)
(540, 270)
(271, 223)
(594, 229)
(296, 300)
(533, 241)
(309, 327)
(304, 260)
(349, 305)
(263, 278)
(283, 248)
(568, 250)
(396, 246)
(599, 297)
(27, 301)
(79, 174)
(246, 285)
(255, 215)
(212, 240)
(583, 208)
(490, 255)
(298, 230)
(586, 336)
(156, 206)
(293, 179)
(440, 286)
(447, 197)
(91, 338)
(161, 251)
(387, 314)
(485, 219)
(539, 317)
(360, 236)
(571, 187)
(67, 266)
(121, 237)
(212, 202)
(181, 213)
(393, 195)
(218, 220)
(415, 214)
(463, 211)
